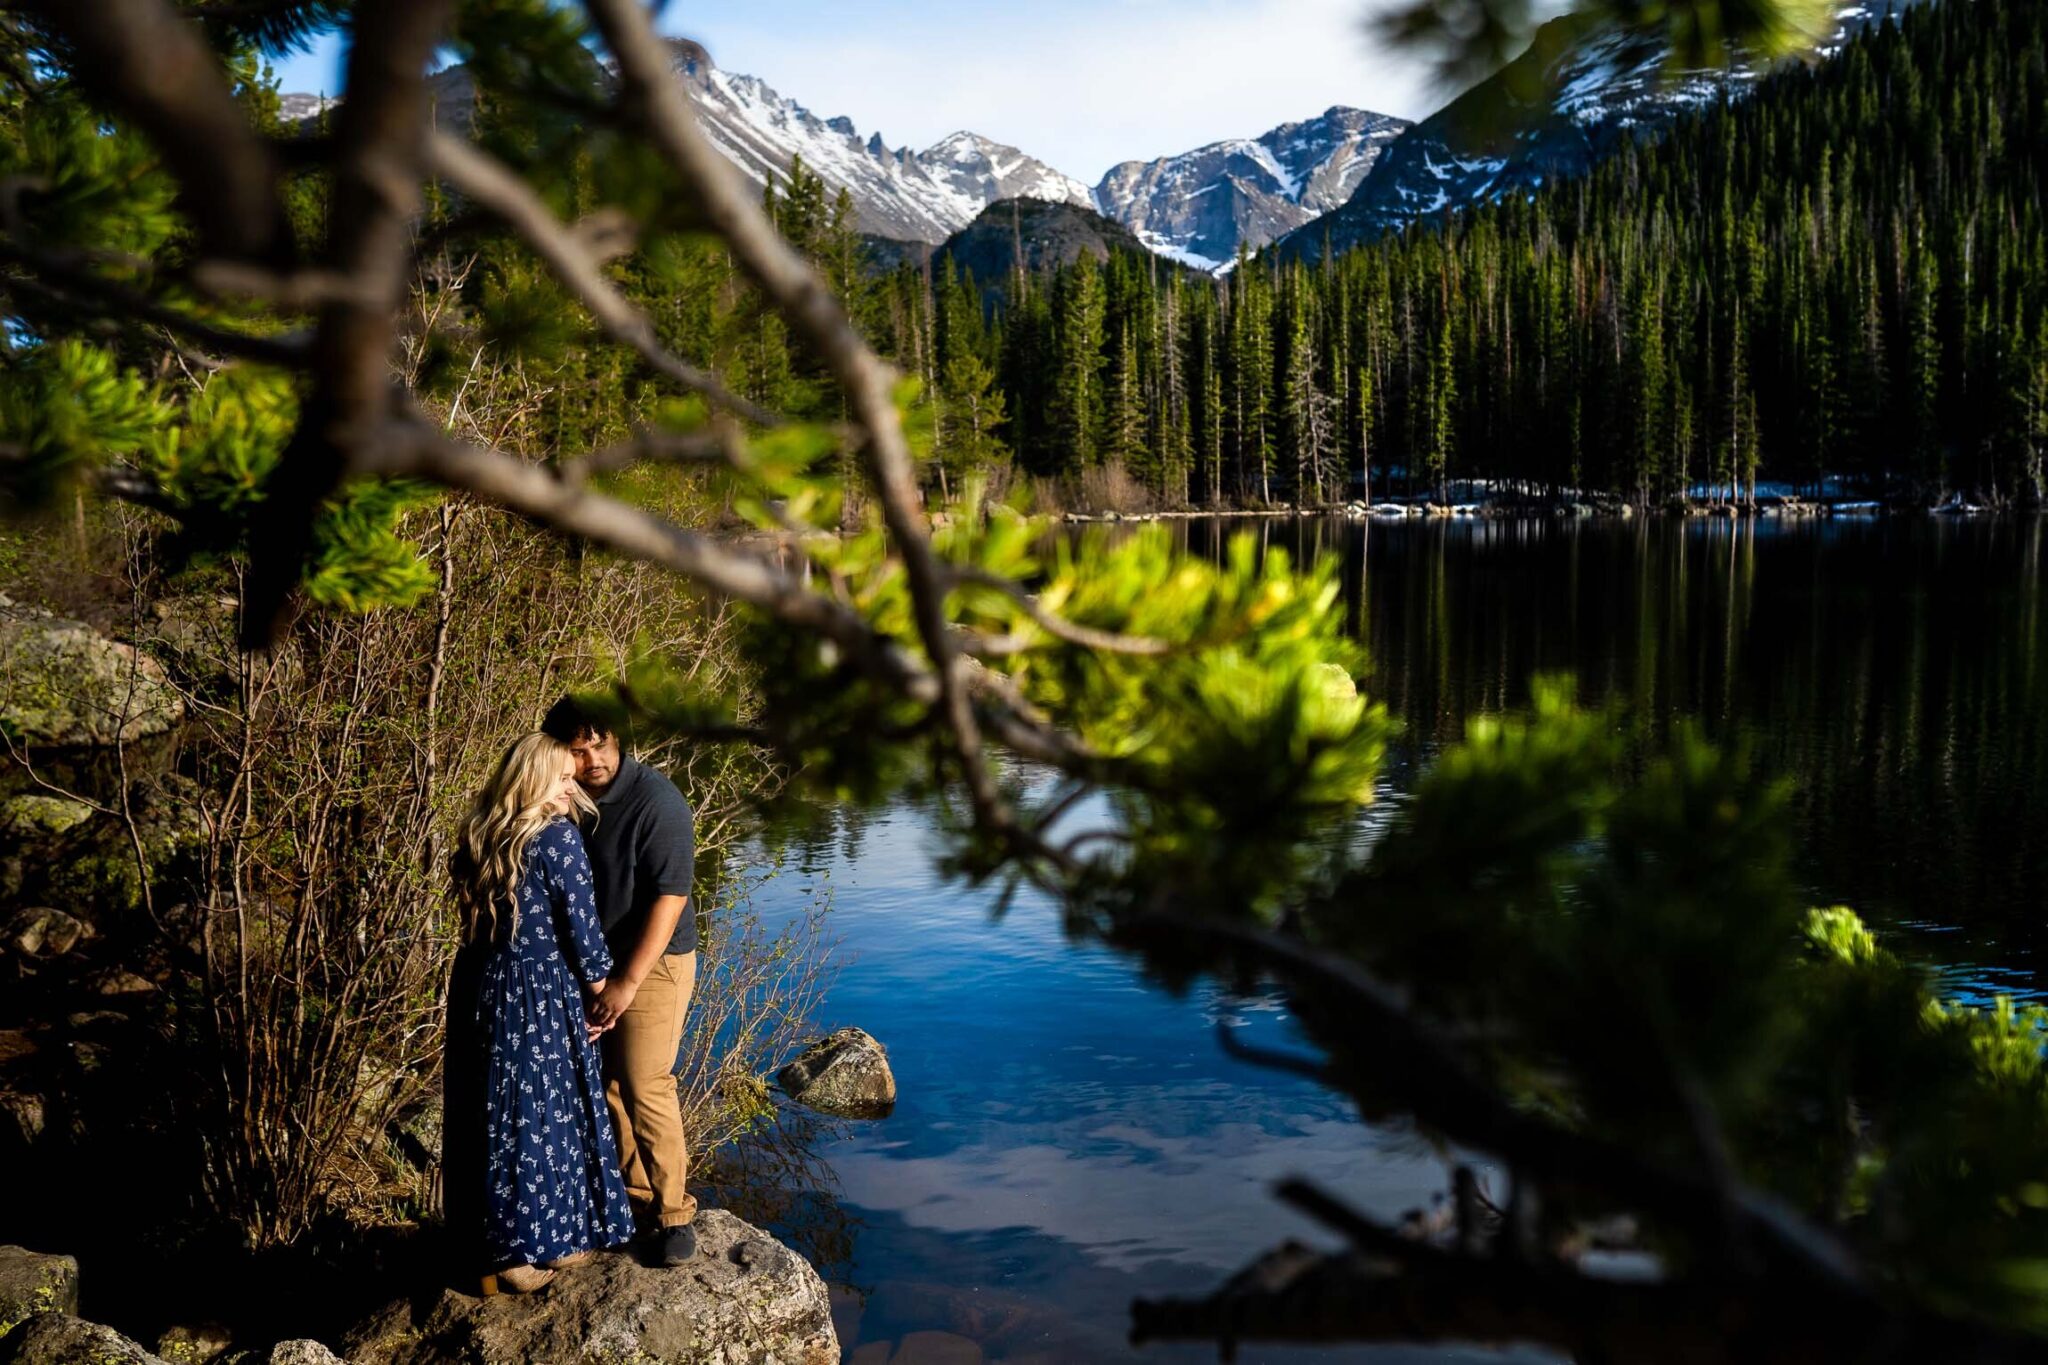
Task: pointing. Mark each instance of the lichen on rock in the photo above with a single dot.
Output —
(32, 1283)
(845, 1073)
(745, 1299)
(61, 1339)
(63, 683)
(34, 815)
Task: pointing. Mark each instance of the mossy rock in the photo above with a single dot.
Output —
(194, 1343)
(97, 873)
(64, 684)
(61, 1339)
(35, 816)
(32, 1283)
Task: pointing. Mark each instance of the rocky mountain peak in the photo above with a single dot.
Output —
(1199, 207)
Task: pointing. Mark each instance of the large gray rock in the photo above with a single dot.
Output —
(745, 1299)
(32, 1283)
(60, 1339)
(846, 1072)
(64, 683)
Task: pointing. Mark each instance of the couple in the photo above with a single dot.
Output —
(572, 881)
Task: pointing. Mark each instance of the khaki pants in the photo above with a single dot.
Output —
(640, 1086)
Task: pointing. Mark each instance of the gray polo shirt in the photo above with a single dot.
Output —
(642, 846)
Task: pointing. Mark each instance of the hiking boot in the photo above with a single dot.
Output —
(675, 1246)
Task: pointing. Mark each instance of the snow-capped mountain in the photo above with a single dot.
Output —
(299, 108)
(908, 195)
(1579, 90)
(1199, 206)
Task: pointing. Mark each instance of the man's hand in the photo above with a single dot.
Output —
(609, 1001)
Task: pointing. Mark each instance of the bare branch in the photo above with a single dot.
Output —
(1108, 642)
(417, 450)
(65, 285)
(715, 446)
(573, 255)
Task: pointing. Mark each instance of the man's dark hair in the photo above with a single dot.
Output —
(585, 717)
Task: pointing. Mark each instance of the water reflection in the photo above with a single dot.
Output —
(1066, 1136)
(1892, 667)
(1069, 1136)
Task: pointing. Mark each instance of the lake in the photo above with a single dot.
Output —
(1070, 1136)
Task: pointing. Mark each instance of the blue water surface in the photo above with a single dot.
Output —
(1070, 1136)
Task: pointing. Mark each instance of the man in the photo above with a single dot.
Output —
(642, 849)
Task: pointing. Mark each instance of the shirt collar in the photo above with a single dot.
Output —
(629, 773)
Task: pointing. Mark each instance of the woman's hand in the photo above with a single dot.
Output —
(610, 1000)
(592, 1029)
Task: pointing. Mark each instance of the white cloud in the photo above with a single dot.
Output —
(1080, 86)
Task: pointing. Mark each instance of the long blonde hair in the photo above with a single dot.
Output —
(491, 843)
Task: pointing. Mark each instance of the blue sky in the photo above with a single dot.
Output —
(1082, 84)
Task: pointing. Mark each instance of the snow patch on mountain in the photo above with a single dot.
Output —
(1579, 90)
(1199, 207)
(923, 196)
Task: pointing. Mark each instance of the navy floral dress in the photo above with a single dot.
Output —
(532, 1168)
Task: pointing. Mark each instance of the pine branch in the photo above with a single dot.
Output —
(571, 257)
(143, 60)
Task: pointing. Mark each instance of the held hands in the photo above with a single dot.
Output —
(609, 1000)
(592, 1029)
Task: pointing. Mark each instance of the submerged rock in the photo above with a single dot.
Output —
(846, 1072)
(60, 1339)
(64, 683)
(32, 1283)
(745, 1299)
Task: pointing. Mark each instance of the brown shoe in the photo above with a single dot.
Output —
(573, 1258)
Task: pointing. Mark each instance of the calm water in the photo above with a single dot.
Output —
(1070, 1136)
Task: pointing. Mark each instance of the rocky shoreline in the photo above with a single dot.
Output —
(745, 1299)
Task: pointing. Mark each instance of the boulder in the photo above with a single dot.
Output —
(117, 981)
(745, 1299)
(64, 683)
(32, 1283)
(36, 815)
(194, 1343)
(193, 626)
(60, 1339)
(40, 931)
(845, 1073)
(304, 1351)
(24, 1116)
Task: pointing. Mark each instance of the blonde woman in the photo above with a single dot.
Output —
(531, 1178)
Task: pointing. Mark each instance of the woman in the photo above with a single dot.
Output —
(531, 1171)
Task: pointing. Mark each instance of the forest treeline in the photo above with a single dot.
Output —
(1840, 275)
